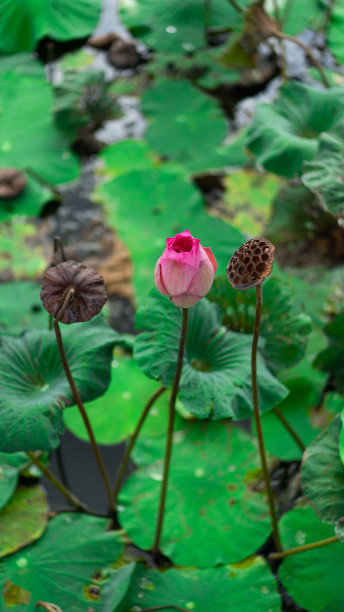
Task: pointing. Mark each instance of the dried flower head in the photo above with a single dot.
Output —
(12, 182)
(89, 294)
(251, 263)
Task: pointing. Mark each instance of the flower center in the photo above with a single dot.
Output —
(182, 244)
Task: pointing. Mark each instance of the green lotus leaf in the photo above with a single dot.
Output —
(24, 24)
(286, 134)
(115, 414)
(29, 138)
(296, 17)
(216, 376)
(125, 155)
(170, 26)
(34, 387)
(13, 317)
(331, 359)
(21, 255)
(9, 475)
(29, 202)
(64, 567)
(325, 174)
(213, 481)
(146, 206)
(23, 519)
(233, 587)
(323, 474)
(335, 31)
(284, 328)
(314, 579)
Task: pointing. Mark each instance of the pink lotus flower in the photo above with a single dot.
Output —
(185, 271)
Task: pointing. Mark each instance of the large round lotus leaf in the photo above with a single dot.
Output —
(146, 206)
(184, 123)
(248, 199)
(20, 255)
(34, 387)
(296, 409)
(284, 328)
(29, 202)
(331, 359)
(13, 315)
(216, 376)
(29, 138)
(168, 25)
(285, 134)
(222, 589)
(9, 475)
(23, 519)
(298, 16)
(314, 579)
(211, 490)
(24, 24)
(125, 155)
(325, 174)
(322, 474)
(62, 567)
(115, 414)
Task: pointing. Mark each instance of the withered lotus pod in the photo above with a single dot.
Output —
(251, 263)
(89, 291)
(12, 183)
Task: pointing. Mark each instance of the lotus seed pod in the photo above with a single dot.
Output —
(89, 291)
(251, 263)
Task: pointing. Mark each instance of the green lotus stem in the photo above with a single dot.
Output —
(129, 448)
(299, 549)
(306, 49)
(57, 484)
(78, 400)
(289, 429)
(261, 446)
(171, 413)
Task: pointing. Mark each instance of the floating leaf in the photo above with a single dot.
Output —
(212, 480)
(331, 359)
(323, 474)
(116, 587)
(23, 519)
(325, 174)
(216, 376)
(34, 387)
(284, 328)
(168, 203)
(285, 134)
(29, 139)
(13, 315)
(29, 202)
(9, 475)
(296, 17)
(176, 27)
(125, 155)
(314, 579)
(335, 31)
(20, 254)
(114, 416)
(62, 566)
(23, 25)
(234, 587)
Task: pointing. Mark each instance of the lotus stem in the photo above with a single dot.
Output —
(261, 446)
(299, 549)
(57, 484)
(306, 49)
(171, 413)
(289, 429)
(129, 448)
(78, 400)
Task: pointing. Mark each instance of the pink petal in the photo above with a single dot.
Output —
(211, 257)
(186, 300)
(158, 278)
(176, 276)
(203, 279)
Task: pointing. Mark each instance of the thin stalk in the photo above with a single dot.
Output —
(261, 446)
(57, 484)
(299, 549)
(57, 245)
(237, 6)
(129, 448)
(78, 400)
(169, 439)
(289, 429)
(306, 49)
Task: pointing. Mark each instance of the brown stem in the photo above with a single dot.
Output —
(261, 446)
(59, 246)
(54, 481)
(308, 52)
(304, 548)
(169, 438)
(289, 428)
(126, 456)
(78, 400)
(236, 6)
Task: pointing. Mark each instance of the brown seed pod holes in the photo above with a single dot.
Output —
(251, 263)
